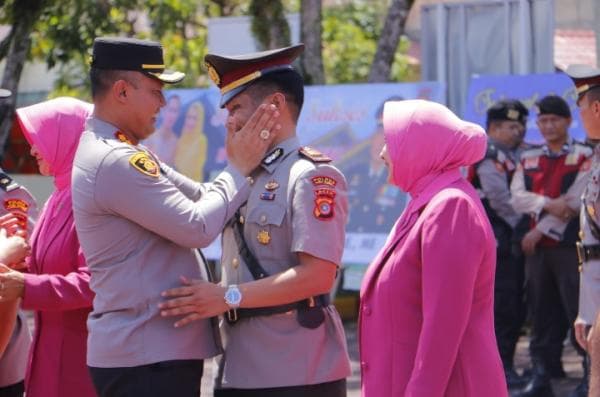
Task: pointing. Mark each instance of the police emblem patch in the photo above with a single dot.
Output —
(144, 164)
(324, 204)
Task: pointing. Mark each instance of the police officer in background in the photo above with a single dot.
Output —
(505, 122)
(15, 200)
(282, 337)
(587, 84)
(374, 204)
(547, 185)
(138, 222)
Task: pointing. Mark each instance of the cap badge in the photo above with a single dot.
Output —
(512, 114)
(263, 237)
(212, 73)
(271, 185)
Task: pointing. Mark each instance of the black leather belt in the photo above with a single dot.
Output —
(306, 305)
(587, 253)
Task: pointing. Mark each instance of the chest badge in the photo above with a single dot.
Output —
(271, 185)
(591, 210)
(263, 237)
(269, 196)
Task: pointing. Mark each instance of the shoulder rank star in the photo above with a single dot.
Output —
(122, 137)
(263, 237)
(143, 163)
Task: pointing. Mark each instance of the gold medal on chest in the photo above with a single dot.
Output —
(271, 185)
(591, 210)
(263, 237)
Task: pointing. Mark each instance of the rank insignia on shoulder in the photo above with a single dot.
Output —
(314, 155)
(143, 163)
(273, 156)
(122, 137)
(267, 196)
(7, 183)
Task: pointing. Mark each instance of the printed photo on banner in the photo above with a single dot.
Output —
(342, 121)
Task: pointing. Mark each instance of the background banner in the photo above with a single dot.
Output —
(343, 121)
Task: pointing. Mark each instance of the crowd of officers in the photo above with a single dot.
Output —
(532, 195)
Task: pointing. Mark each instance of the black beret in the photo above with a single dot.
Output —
(584, 77)
(233, 74)
(118, 53)
(552, 104)
(508, 109)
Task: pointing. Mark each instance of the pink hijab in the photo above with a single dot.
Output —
(55, 127)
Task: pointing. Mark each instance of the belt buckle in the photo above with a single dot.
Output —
(581, 256)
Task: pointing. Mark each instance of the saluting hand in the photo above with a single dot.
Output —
(247, 146)
(196, 300)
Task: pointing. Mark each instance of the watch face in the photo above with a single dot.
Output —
(233, 296)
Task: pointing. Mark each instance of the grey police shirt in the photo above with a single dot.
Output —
(17, 200)
(137, 226)
(295, 206)
(589, 288)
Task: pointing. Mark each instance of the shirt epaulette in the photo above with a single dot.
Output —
(313, 155)
(7, 183)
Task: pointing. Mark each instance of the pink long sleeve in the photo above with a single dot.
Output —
(55, 292)
(452, 246)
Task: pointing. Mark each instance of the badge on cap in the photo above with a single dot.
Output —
(263, 237)
(122, 137)
(144, 164)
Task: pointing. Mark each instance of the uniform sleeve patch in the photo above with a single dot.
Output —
(324, 204)
(144, 164)
(323, 180)
(16, 205)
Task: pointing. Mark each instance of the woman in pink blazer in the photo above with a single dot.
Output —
(56, 286)
(426, 313)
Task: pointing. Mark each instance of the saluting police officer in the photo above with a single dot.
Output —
(282, 337)
(15, 200)
(138, 220)
(548, 184)
(587, 84)
(492, 176)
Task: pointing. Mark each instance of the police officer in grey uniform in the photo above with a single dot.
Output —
(138, 222)
(282, 337)
(15, 199)
(587, 84)
(491, 177)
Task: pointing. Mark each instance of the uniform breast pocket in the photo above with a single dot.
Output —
(265, 226)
